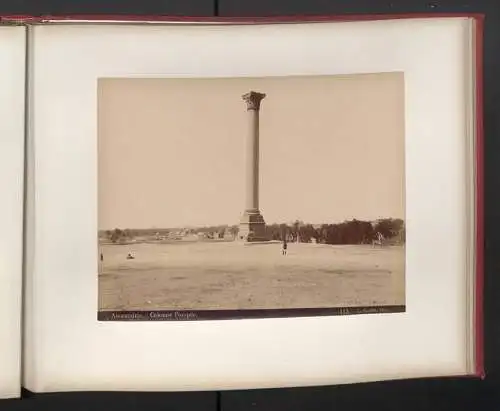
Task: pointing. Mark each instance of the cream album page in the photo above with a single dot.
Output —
(12, 72)
(219, 206)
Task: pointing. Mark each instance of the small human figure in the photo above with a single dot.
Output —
(285, 246)
(379, 240)
(102, 257)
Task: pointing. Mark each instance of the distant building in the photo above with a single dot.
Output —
(228, 234)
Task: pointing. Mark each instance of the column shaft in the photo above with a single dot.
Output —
(252, 178)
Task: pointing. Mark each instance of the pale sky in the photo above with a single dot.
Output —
(172, 151)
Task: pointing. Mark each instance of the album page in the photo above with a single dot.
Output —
(242, 206)
(12, 71)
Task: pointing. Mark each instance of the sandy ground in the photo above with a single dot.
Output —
(204, 275)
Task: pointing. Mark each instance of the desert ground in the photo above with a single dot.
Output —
(230, 275)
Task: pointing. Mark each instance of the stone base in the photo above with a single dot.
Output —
(252, 227)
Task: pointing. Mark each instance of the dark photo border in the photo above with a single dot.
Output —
(207, 315)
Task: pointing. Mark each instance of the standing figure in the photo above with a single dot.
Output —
(379, 240)
(285, 246)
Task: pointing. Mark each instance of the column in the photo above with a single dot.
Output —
(252, 227)
(253, 100)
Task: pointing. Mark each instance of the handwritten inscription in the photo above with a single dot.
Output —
(173, 315)
(125, 316)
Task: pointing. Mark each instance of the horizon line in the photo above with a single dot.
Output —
(193, 226)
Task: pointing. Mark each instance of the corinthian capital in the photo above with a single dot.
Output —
(253, 100)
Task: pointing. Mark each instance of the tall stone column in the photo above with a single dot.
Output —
(252, 226)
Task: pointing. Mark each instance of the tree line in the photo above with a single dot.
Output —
(347, 232)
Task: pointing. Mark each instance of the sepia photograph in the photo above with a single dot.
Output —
(225, 198)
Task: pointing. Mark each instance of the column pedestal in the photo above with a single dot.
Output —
(252, 227)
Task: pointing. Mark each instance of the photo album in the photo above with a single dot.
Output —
(216, 204)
